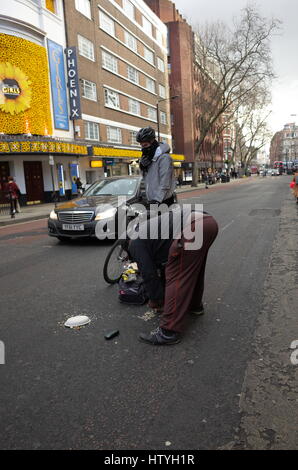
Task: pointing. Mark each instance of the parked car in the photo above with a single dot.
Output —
(269, 172)
(78, 218)
(275, 172)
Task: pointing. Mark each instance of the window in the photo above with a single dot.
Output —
(114, 135)
(159, 37)
(91, 130)
(129, 9)
(147, 26)
(134, 107)
(86, 48)
(132, 74)
(148, 55)
(150, 85)
(109, 62)
(152, 113)
(112, 99)
(163, 117)
(162, 91)
(160, 64)
(51, 6)
(133, 135)
(89, 90)
(106, 23)
(83, 6)
(130, 41)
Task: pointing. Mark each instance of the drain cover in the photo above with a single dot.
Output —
(265, 212)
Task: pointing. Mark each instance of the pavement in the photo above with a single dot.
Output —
(42, 211)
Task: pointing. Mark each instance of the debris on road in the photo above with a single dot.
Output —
(77, 321)
(148, 315)
(111, 334)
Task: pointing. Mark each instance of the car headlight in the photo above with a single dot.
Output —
(106, 214)
(53, 215)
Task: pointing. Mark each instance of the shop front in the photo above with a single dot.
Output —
(41, 168)
(121, 161)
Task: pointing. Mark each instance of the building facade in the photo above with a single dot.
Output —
(35, 129)
(78, 80)
(122, 65)
(284, 145)
(185, 82)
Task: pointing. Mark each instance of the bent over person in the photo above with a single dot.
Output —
(157, 168)
(184, 277)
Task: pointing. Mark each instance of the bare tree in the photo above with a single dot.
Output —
(231, 65)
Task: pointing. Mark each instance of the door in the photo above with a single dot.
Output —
(4, 174)
(34, 182)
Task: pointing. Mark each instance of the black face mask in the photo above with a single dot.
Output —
(147, 155)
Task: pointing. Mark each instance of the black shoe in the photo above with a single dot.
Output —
(198, 311)
(159, 338)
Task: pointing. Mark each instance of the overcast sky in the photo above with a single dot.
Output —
(284, 46)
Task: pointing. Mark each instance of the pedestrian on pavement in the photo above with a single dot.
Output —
(13, 192)
(205, 179)
(184, 276)
(157, 168)
(79, 186)
(180, 180)
(295, 186)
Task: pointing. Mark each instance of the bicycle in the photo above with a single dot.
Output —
(118, 256)
(115, 262)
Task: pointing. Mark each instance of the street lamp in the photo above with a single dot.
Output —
(157, 110)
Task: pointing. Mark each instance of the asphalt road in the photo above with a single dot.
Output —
(72, 389)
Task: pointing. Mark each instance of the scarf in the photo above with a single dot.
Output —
(147, 156)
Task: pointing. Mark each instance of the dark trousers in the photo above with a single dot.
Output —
(150, 255)
(185, 273)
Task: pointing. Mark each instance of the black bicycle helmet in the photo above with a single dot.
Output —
(145, 135)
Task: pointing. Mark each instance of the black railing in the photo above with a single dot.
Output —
(7, 204)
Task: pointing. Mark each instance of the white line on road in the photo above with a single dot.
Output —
(227, 225)
(22, 223)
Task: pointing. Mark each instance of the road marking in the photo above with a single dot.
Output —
(227, 225)
(22, 223)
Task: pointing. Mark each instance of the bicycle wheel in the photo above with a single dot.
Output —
(114, 263)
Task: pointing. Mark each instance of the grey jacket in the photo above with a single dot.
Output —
(159, 180)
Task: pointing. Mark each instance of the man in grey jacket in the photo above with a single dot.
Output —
(157, 168)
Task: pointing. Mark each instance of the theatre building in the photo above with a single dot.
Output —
(78, 79)
(37, 145)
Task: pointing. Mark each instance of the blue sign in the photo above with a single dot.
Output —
(74, 173)
(58, 85)
(61, 179)
(73, 83)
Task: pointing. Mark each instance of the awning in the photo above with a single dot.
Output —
(111, 152)
(42, 147)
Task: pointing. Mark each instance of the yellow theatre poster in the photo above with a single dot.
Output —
(24, 87)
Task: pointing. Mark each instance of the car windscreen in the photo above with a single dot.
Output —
(118, 187)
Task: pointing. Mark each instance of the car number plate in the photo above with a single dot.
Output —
(72, 227)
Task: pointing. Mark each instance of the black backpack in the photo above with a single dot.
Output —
(132, 292)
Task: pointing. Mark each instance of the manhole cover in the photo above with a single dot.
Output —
(265, 212)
